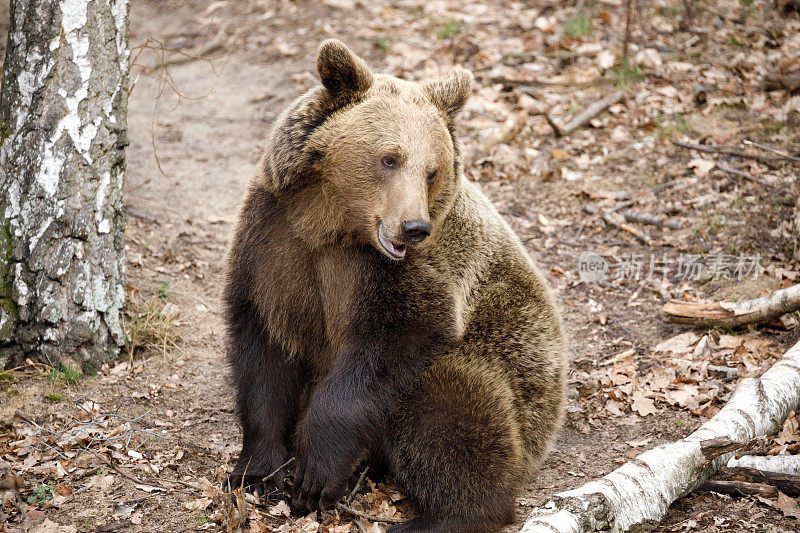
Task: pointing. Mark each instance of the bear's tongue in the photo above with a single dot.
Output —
(398, 251)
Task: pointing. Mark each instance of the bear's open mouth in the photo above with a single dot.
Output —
(396, 251)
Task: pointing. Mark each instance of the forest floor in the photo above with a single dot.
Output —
(143, 445)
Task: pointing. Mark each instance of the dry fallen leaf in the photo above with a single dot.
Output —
(701, 166)
(281, 508)
(679, 344)
(49, 526)
(197, 505)
(642, 404)
(686, 397)
(606, 59)
(787, 505)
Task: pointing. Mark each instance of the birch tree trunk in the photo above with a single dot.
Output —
(63, 119)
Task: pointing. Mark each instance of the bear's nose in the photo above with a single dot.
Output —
(415, 231)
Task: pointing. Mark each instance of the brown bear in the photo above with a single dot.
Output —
(380, 311)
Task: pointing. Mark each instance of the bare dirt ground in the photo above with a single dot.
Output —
(196, 130)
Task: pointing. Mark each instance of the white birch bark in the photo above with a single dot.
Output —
(63, 109)
(779, 464)
(642, 489)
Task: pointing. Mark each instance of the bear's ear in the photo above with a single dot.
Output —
(450, 92)
(345, 75)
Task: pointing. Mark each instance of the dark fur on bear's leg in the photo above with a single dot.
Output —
(455, 449)
(269, 385)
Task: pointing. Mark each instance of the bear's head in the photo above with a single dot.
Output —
(367, 156)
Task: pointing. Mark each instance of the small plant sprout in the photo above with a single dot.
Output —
(381, 42)
(579, 26)
(53, 397)
(163, 290)
(450, 28)
(40, 494)
(64, 373)
(627, 74)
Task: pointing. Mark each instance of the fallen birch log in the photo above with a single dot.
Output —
(779, 464)
(734, 314)
(643, 489)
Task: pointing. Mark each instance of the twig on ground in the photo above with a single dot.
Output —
(586, 115)
(269, 476)
(215, 44)
(518, 58)
(541, 82)
(614, 219)
(142, 482)
(140, 214)
(727, 169)
(653, 220)
(732, 314)
(713, 149)
(615, 195)
(366, 516)
(641, 236)
(779, 153)
(355, 490)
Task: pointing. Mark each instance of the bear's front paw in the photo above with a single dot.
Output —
(263, 474)
(317, 488)
(320, 478)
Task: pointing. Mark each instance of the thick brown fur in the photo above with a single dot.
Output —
(446, 366)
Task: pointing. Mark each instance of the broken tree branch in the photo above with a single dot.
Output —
(786, 483)
(367, 516)
(542, 82)
(519, 58)
(641, 236)
(713, 448)
(586, 115)
(653, 220)
(727, 169)
(779, 464)
(644, 488)
(780, 153)
(740, 488)
(713, 149)
(612, 218)
(734, 314)
(215, 44)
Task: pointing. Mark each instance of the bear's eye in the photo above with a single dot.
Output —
(432, 176)
(389, 162)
